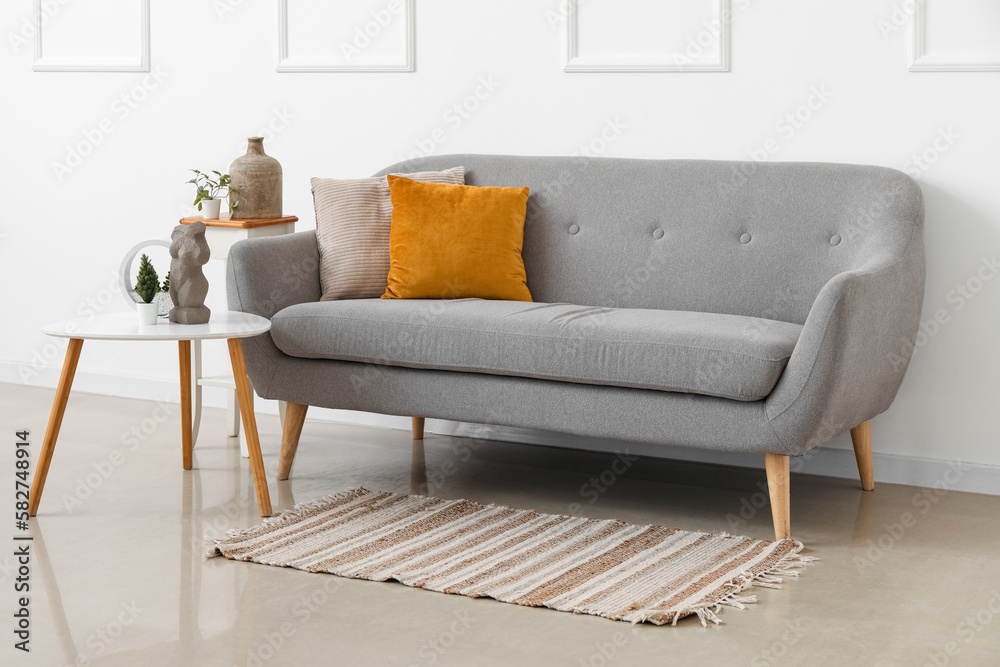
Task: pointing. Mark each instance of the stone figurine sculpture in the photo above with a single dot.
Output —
(255, 182)
(189, 251)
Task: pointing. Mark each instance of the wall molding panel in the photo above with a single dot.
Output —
(573, 61)
(406, 62)
(139, 62)
(923, 61)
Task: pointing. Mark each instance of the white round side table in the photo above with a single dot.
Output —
(229, 325)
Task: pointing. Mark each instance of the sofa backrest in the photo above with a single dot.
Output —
(745, 238)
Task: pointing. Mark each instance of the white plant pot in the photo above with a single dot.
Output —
(210, 208)
(148, 313)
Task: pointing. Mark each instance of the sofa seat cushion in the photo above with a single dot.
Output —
(729, 356)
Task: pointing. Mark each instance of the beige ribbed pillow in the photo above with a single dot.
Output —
(353, 217)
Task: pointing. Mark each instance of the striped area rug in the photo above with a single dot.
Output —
(606, 568)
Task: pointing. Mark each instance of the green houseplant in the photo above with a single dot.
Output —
(147, 285)
(210, 191)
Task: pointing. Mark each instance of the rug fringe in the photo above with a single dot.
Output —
(788, 566)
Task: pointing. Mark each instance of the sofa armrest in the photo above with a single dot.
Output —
(853, 352)
(263, 276)
(268, 274)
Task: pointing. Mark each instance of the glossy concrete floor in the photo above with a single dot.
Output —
(118, 577)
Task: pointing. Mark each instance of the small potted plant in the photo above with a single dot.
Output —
(147, 285)
(209, 194)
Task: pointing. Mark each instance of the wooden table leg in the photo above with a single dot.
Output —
(245, 394)
(184, 352)
(55, 421)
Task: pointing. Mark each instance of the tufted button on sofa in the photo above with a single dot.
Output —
(747, 307)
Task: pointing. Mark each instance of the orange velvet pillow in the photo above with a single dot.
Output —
(456, 241)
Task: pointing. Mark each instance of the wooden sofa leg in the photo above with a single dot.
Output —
(779, 489)
(418, 428)
(861, 435)
(295, 417)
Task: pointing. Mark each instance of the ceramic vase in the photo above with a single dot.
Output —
(255, 184)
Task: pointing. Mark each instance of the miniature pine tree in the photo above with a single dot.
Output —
(166, 283)
(147, 283)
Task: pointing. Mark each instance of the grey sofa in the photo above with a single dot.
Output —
(748, 307)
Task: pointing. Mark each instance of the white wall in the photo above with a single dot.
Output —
(63, 235)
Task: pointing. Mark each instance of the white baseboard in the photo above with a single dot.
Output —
(826, 461)
(108, 384)
(159, 389)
